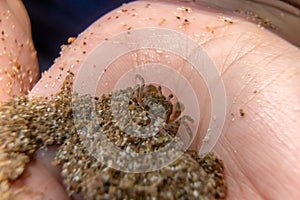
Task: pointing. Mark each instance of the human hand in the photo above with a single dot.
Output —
(261, 76)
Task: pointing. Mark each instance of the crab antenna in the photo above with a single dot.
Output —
(159, 90)
(139, 77)
(141, 88)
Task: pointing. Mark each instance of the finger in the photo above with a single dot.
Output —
(37, 182)
(18, 74)
(19, 67)
(248, 62)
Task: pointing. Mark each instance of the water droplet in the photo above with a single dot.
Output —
(159, 51)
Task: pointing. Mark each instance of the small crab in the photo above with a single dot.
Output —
(149, 100)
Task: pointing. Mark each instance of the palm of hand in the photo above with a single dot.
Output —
(259, 144)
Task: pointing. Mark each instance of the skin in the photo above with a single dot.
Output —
(19, 66)
(261, 75)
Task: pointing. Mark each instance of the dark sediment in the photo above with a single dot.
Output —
(28, 124)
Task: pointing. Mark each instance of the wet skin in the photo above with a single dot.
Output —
(261, 75)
